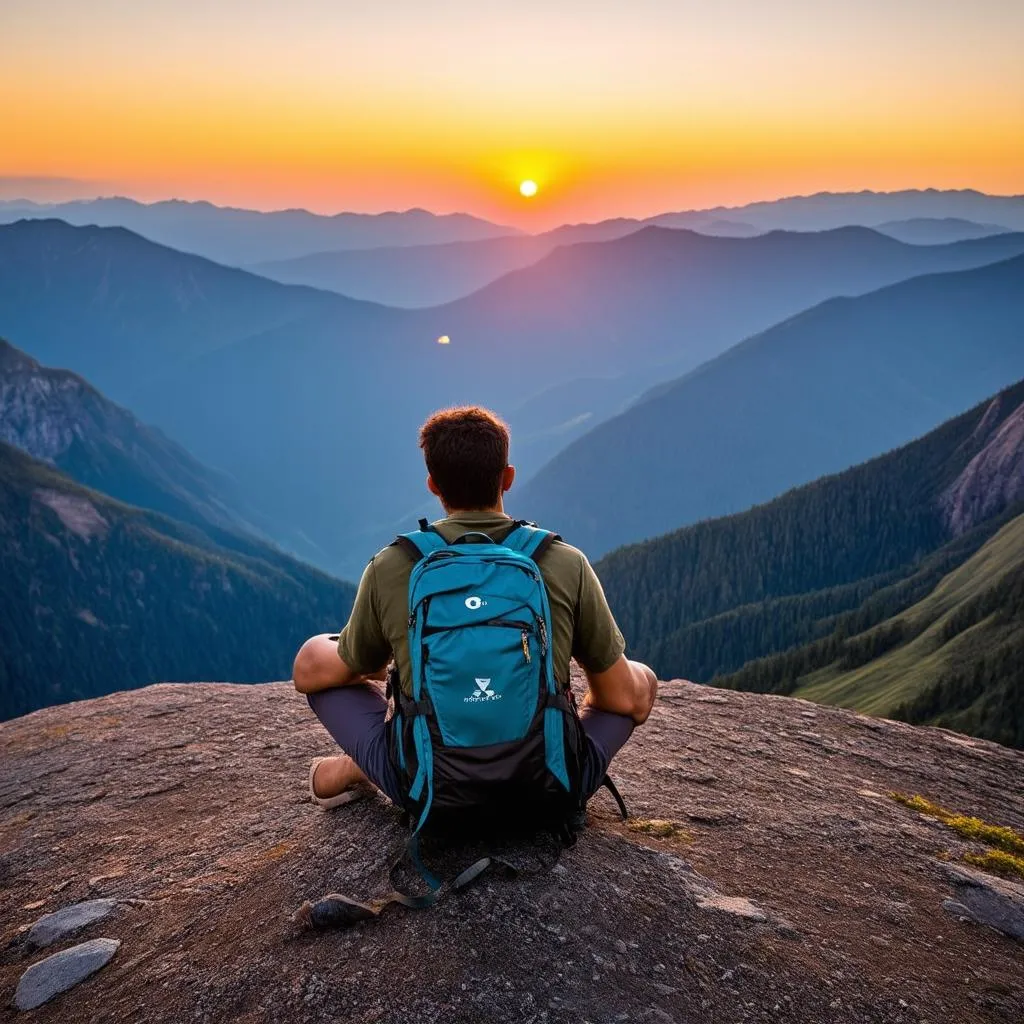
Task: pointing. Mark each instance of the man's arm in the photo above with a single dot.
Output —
(627, 688)
(616, 684)
(319, 666)
(361, 651)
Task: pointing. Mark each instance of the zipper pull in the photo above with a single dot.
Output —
(526, 646)
(543, 630)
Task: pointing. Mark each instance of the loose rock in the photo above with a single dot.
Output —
(736, 906)
(68, 921)
(987, 900)
(63, 970)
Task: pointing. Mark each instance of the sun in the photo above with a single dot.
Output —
(528, 188)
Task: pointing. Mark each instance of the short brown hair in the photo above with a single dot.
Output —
(466, 450)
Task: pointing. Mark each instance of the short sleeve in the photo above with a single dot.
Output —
(597, 642)
(362, 644)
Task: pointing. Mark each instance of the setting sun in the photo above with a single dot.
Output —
(528, 188)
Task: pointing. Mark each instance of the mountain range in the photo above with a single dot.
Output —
(937, 230)
(824, 210)
(429, 275)
(236, 236)
(414, 276)
(241, 237)
(269, 383)
(828, 388)
(617, 353)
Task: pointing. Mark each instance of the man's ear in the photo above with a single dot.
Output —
(507, 477)
(432, 487)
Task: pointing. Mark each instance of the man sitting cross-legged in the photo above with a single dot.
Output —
(466, 454)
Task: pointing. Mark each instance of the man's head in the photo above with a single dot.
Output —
(466, 451)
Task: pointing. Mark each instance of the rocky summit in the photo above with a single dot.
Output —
(766, 874)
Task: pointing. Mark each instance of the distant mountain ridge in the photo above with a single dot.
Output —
(937, 230)
(418, 276)
(336, 251)
(236, 236)
(824, 210)
(830, 387)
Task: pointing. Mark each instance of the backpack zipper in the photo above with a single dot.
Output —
(524, 627)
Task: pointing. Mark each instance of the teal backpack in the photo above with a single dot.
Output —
(488, 739)
(488, 736)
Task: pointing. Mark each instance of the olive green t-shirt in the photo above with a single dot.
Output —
(582, 624)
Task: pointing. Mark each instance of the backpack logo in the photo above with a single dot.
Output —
(482, 692)
(473, 603)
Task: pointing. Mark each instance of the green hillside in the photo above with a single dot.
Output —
(954, 658)
(865, 543)
(100, 596)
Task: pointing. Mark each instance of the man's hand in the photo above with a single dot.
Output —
(627, 688)
(318, 666)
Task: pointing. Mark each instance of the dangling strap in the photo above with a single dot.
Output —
(607, 783)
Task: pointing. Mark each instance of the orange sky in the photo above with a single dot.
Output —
(625, 108)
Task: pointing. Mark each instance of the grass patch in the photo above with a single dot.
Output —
(1005, 855)
(660, 828)
(997, 836)
(998, 862)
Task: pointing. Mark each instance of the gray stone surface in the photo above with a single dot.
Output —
(63, 970)
(987, 900)
(68, 921)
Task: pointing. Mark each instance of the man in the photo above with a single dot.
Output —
(466, 453)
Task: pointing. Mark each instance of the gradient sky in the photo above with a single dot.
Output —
(624, 108)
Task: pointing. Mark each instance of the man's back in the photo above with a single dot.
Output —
(532, 744)
(581, 622)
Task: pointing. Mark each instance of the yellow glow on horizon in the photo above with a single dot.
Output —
(639, 113)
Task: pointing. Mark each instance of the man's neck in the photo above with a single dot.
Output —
(494, 510)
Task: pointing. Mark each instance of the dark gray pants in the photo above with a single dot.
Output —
(354, 716)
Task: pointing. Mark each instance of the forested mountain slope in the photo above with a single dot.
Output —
(826, 389)
(864, 544)
(99, 596)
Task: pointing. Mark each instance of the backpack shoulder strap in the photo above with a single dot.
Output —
(529, 539)
(420, 543)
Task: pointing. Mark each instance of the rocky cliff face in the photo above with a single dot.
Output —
(59, 418)
(993, 479)
(767, 875)
(40, 409)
